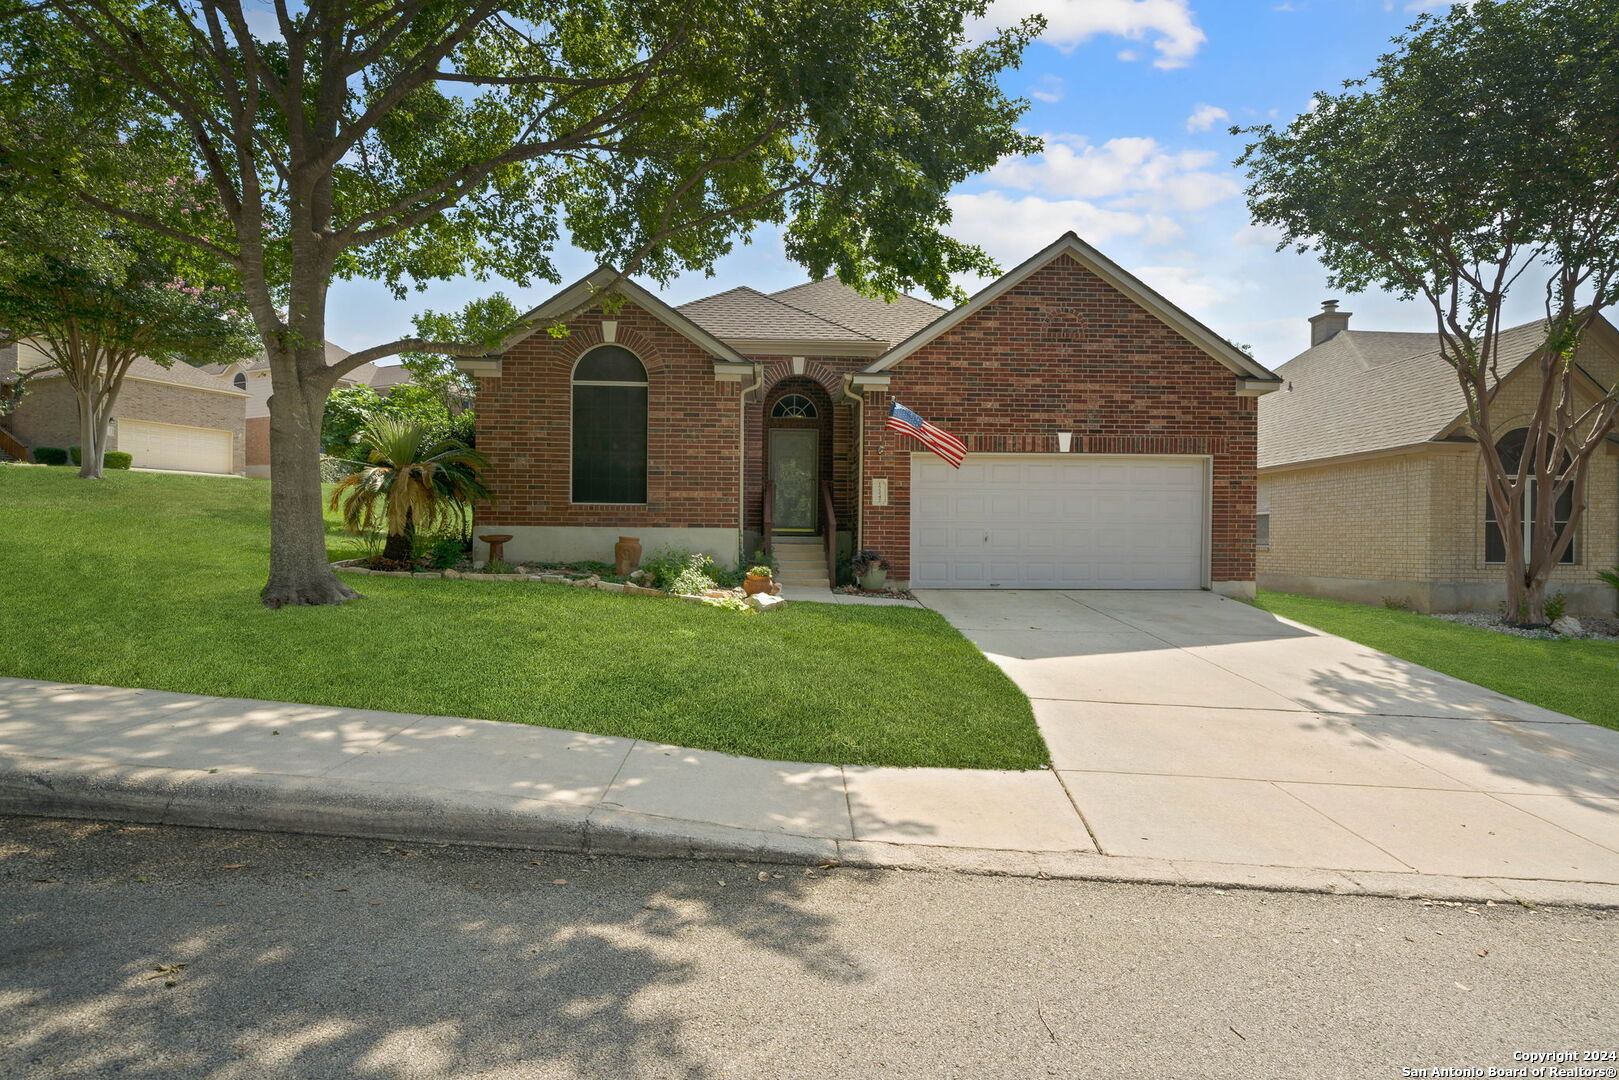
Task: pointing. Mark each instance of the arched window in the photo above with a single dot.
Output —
(1511, 447)
(609, 427)
(793, 407)
(240, 381)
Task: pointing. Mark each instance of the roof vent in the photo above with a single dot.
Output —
(1328, 323)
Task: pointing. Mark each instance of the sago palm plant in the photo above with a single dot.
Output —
(415, 478)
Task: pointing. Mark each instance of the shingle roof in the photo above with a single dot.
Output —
(181, 373)
(1364, 390)
(890, 321)
(744, 314)
(334, 353)
(387, 376)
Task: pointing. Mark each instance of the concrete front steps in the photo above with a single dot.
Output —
(801, 562)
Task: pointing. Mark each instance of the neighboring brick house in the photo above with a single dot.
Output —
(179, 417)
(254, 378)
(1371, 490)
(1111, 436)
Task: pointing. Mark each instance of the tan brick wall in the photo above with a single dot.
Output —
(1362, 519)
(48, 416)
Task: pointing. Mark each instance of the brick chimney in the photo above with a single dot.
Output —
(1331, 321)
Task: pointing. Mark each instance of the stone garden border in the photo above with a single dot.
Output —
(757, 602)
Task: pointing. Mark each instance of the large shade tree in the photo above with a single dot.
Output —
(428, 139)
(1479, 159)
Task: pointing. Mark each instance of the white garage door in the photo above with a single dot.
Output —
(1058, 522)
(169, 446)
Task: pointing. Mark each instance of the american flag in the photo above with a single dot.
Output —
(937, 439)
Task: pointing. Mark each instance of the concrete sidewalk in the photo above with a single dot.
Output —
(158, 757)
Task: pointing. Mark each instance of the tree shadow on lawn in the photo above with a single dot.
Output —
(342, 958)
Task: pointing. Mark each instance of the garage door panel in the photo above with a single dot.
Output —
(1064, 523)
(173, 446)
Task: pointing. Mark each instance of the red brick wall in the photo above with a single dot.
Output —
(1064, 351)
(258, 440)
(693, 420)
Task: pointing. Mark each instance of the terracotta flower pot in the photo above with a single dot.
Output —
(752, 584)
(626, 555)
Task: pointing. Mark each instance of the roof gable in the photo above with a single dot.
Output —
(1122, 280)
(588, 288)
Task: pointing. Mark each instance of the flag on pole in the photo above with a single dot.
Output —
(937, 439)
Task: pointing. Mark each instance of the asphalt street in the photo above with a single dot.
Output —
(169, 953)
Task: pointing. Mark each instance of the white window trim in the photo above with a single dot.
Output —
(1528, 526)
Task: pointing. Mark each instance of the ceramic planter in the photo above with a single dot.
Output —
(752, 584)
(874, 580)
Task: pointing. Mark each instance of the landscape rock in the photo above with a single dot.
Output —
(642, 590)
(765, 602)
(452, 573)
(583, 583)
(609, 586)
(1568, 626)
(556, 579)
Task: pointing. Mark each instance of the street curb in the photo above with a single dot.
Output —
(332, 806)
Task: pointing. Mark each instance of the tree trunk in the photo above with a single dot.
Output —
(299, 571)
(92, 436)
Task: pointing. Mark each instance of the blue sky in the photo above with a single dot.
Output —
(1134, 98)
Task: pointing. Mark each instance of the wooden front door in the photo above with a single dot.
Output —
(795, 459)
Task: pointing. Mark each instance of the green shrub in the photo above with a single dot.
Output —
(761, 570)
(445, 552)
(110, 459)
(1556, 604)
(676, 570)
(497, 566)
(50, 455)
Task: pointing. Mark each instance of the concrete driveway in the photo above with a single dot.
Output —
(1187, 726)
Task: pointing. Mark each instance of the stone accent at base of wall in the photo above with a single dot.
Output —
(1433, 597)
(1237, 590)
(575, 543)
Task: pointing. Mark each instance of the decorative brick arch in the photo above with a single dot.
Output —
(829, 379)
(581, 339)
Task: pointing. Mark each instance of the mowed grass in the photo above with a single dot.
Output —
(152, 580)
(1579, 677)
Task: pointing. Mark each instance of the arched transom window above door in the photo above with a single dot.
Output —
(793, 407)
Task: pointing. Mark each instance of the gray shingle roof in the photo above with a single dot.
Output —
(890, 321)
(744, 314)
(1364, 390)
(180, 373)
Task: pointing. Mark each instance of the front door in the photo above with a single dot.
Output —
(795, 456)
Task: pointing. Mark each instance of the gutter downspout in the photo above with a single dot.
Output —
(858, 536)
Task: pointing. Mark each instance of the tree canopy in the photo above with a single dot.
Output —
(1479, 157)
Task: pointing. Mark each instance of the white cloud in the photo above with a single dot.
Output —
(1049, 89)
(1167, 24)
(1205, 117)
(1011, 228)
(1185, 287)
(1137, 171)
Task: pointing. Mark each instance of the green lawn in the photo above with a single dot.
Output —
(152, 580)
(1578, 677)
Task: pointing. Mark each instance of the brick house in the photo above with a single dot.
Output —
(1111, 436)
(1371, 490)
(179, 417)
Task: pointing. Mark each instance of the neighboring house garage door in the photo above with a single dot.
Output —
(169, 446)
(1058, 522)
